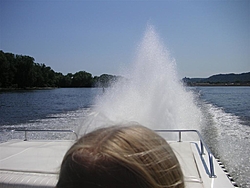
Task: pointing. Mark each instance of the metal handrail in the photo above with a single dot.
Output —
(202, 146)
(42, 130)
(202, 143)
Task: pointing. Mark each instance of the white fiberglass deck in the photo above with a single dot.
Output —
(196, 167)
(36, 164)
(31, 163)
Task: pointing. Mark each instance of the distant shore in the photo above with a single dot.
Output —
(219, 84)
(189, 85)
(231, 79)
(28, 88)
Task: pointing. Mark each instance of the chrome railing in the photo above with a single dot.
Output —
(202, 146)
(201, 152)
(42, 130)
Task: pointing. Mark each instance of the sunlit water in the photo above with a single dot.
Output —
(151, 95)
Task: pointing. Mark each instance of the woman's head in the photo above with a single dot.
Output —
(121, 156)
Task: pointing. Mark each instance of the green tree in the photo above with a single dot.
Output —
(105, 80)
(39, 79)
(25, 76)
(82, 79)
(4, 71)
(20, 71)
(66, 80)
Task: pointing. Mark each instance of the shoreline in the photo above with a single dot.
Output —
(27, 89)
(219, 84)
(185, 84)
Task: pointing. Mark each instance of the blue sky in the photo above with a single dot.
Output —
(205, 37)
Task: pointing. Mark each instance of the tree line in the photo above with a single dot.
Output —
(21, 71)
(231, 79)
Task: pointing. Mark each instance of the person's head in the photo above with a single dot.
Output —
(123, 157)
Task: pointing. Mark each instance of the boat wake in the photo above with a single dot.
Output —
(228, 138)
(68, 120)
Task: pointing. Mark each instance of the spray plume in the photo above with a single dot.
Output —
(152, 94)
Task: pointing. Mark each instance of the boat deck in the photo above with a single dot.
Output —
(195, 167)
(36, 164)
(31, 163)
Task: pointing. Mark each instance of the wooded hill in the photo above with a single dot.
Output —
(220, 79)
(18, 71)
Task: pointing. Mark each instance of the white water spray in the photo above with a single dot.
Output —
(152, 95)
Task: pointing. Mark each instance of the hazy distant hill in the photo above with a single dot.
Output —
(220, 79)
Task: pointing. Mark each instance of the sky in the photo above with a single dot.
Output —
(205, 37)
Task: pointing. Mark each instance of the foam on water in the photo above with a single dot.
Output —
(68, 120)
(228, 139)
(151, 94)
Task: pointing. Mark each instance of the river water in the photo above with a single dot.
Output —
(224, 118)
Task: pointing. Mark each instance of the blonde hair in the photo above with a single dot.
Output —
(121, 156)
